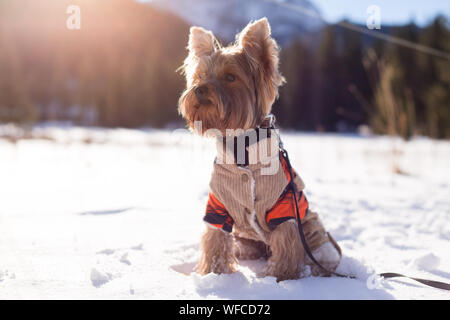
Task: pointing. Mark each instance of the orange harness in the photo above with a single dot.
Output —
(284, 209)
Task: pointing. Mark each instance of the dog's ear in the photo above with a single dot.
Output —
(256, 41)
(262, 51)
(201, 42)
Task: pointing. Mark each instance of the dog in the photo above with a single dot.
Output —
(250, 213)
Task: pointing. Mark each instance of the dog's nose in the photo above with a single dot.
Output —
(201, 92)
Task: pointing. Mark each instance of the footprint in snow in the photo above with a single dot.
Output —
(99, 278)
(124, 259)
(106, 251)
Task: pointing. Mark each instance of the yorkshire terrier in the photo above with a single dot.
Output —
(251, 213)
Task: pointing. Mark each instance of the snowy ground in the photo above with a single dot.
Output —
(94, 213)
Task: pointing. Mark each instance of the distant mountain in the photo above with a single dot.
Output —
(227, 17)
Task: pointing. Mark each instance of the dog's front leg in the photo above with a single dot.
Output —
(287, 259)
(217, 252)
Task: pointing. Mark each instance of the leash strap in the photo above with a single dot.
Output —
(430, 283)
(386, 275)
(299, 223)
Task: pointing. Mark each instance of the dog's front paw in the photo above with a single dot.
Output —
(217, 253)
(287, 257)
(218, 266)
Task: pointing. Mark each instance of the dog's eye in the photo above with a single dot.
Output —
(229, 77)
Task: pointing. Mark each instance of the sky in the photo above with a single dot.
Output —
(392, 11)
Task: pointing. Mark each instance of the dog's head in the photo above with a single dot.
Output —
(230, 87)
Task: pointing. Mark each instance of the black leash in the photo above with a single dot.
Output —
(386, 275)
(431, 283)
(299, 224)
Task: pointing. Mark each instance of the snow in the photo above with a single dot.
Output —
(98, 279)
(427, 262)
(117, 214)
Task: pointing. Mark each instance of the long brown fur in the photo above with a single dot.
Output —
(287, 250)
(242, 103)
(234, 87)
(217, 253)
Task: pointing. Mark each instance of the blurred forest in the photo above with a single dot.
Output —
(119, 69)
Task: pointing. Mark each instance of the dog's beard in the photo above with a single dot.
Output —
(235, 110)
(193, 111)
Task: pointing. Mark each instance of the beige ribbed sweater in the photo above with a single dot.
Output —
(249, 192)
